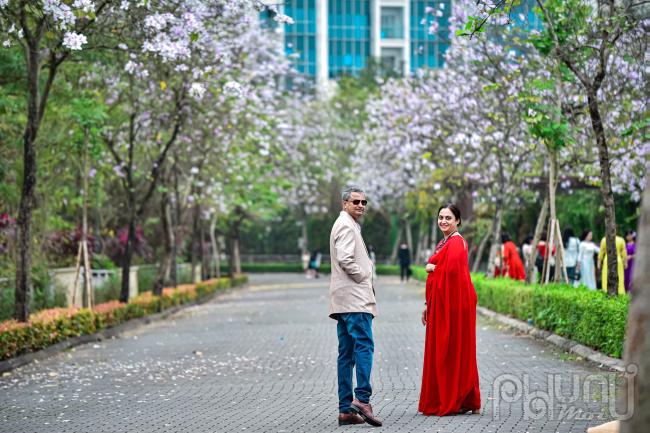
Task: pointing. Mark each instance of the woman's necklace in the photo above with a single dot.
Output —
(444, 241)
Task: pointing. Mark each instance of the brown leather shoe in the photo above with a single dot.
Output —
(350, 418)
(365, 410)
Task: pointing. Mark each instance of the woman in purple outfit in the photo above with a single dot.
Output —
(630, 238)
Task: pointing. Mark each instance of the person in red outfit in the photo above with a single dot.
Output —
(450, 376)
(513, 266)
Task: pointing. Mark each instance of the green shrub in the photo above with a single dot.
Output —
(587, 316)
(102, 261)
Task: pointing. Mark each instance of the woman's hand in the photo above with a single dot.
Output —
(424, 317)
(429, 267)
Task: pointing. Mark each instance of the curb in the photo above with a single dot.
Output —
(571, 346)
(108, 333)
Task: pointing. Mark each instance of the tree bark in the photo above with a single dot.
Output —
(398, 240)
(168, 241)
(606, 191)
(215, 247)
(128, 255)
(194, 247)
(637, 342)
(27, 198)
(409, 237)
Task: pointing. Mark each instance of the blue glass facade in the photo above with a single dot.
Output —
(300, 37)
(349, 36)
(428, 51)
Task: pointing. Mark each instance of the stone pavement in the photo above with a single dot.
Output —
(263, 359)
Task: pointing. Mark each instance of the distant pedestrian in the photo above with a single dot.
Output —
(586, 260)
(630, 245)
(404, 257)
(571, 251)
(314, 264)
(513, 267)
(353, 306)
(621, 261)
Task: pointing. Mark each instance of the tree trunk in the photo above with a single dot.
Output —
(205, 255)
(194, 251)
(637, 342)
(409, 237)
(27, 197)
(215, 247)
(541, 221)
(305, 236)
(128, 254)
(168, 241)
(479, 253)
(606, 191)
(398, 240)
(496, 236)
(234, 259)
(422, 239)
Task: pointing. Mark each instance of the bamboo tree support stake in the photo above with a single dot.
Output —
(559, 259)
(87, 295)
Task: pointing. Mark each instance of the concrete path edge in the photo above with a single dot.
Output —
(105, 334)
(571, 346)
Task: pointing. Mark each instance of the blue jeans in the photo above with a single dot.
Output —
(356, 348)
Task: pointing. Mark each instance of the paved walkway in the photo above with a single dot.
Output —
(263, 359)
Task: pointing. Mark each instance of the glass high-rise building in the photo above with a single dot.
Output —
(331, 38)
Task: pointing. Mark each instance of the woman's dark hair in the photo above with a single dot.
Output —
(543, 236)
(454, 209)
(568, 234)
(505, 237)
(631, 232)
(528, 239)
(584, 234)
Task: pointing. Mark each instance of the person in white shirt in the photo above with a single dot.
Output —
(571, 251)
(586, 260)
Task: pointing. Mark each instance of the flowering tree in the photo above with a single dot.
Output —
(49, 32)
(165, 34)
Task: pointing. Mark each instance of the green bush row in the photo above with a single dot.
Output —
(295, 267)
(587, 316)
(48, 327)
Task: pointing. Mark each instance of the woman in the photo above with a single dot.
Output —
(450, 375)
(621, 261)
(571, 251)
(586, 260)
(630, 247)
(513, 266)
(541, 253)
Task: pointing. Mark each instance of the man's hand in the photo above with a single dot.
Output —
(424, 317)
(429, 267)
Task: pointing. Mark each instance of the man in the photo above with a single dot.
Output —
(353, 306)
(404, 257)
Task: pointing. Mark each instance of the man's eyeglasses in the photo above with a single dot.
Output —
(356, 202)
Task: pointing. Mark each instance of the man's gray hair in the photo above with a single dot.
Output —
(347, 192)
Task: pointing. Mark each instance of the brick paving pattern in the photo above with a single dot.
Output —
(263, 359)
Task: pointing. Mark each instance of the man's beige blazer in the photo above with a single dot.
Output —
(351, 285)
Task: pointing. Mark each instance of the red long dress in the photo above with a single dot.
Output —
(513, 262)
(450, 375)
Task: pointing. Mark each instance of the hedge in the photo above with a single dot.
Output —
(53, 325)
(587, 316)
